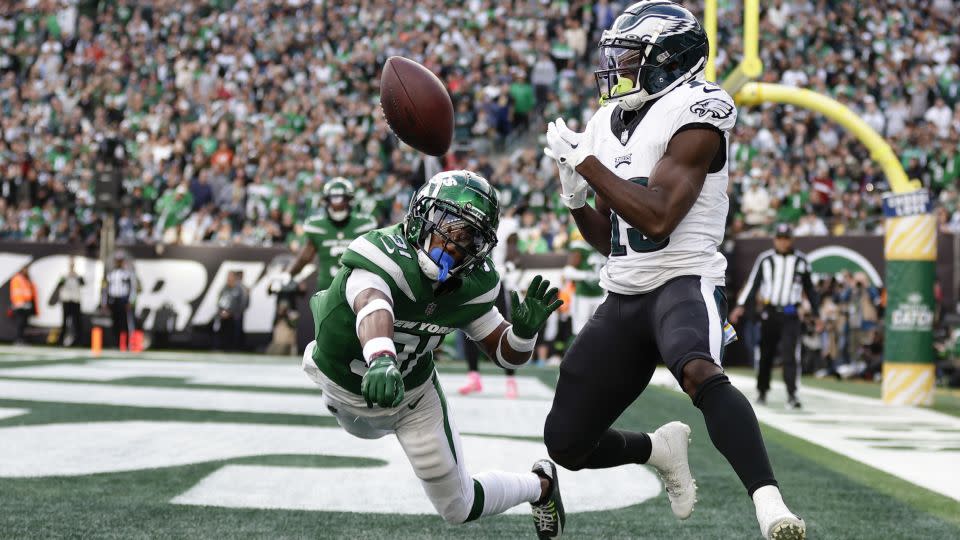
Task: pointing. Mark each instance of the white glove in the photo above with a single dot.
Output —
(573, 192)
(566, 145)
(280, 281)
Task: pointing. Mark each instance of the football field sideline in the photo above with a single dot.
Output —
(916, 444)
(211, 445)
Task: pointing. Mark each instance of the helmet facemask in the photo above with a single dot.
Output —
(338, 207)
(337, 199)
(463, 243)
(633, 72)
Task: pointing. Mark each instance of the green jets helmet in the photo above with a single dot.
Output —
(462, 209)
(338, 197)
(653, 47)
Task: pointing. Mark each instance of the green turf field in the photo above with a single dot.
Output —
(838, 497)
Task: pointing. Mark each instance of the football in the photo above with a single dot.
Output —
(416, 105)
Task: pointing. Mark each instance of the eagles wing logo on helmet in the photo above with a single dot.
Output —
(667, 25)
(674, 26)
(715, 107)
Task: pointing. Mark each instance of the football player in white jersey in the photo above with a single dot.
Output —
(656, 156)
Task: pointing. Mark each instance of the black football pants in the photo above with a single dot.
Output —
(779, 334)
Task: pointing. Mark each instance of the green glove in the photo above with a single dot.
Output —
(382, 383)
(529, 316)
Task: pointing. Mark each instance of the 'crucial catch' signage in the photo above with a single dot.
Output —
(907, 204)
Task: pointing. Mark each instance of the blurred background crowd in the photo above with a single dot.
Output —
(226, 117)
(231, 114)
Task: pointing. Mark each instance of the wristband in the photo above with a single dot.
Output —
(500, 360)
(520, 344)
(376, 304)
(377, 346)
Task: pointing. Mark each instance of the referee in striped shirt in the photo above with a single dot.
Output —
(778, 278)
(118, 297)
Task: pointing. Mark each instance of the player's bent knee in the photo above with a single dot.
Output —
(707, 385)
(430, 465)
(572, 461)
(456, 514)
(696, 372)
(456, 510)
(563, 447)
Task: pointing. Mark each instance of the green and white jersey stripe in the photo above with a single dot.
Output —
(421, 316)
(331, 240)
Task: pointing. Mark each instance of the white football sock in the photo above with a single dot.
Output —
(658, 451)
(503, 490)
(768, 496)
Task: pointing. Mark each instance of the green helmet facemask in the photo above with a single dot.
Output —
(452, 222)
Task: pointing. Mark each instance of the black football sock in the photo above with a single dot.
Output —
(617, 447)
(735, 432)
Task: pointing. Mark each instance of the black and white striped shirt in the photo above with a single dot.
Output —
(779, 279)
(121, 285)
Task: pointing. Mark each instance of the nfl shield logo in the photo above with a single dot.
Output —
(430, 308)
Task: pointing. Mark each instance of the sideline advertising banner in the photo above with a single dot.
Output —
(910, 248)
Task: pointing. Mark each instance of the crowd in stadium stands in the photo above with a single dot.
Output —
(224, 118)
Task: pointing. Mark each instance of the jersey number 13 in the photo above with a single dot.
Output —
(637, 241)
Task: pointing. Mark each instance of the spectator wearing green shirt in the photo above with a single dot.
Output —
(173, 207)
(530, 238)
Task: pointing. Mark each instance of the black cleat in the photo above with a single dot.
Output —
(762, 398)
(548, 515)
(793, 403)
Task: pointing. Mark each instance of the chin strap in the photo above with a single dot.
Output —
(444, 261)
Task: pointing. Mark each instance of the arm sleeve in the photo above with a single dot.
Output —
(361, 280)
(482, 326)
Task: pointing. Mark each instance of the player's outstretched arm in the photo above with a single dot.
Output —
(370, 299)
(675, 183)
(509, 345)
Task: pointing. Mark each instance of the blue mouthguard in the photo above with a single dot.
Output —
(444, 260)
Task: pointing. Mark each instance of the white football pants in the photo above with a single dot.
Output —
(432, 444)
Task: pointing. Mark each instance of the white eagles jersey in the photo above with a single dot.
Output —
(636, 263)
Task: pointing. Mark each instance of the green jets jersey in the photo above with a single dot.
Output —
(331, 240)
(421, 317)
(590, 261)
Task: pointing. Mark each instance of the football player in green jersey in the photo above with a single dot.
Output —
(329, 233)
(400, 291)
(583, 269)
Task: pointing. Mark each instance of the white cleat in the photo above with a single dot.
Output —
(777, 522)
(668, 455)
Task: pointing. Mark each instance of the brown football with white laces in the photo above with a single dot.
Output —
(416, 105)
